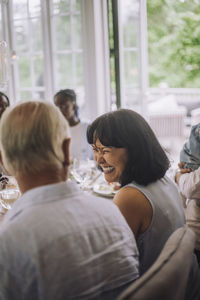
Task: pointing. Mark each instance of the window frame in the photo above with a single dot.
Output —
(95, 55)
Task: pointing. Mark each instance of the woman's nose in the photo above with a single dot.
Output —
(99, 157)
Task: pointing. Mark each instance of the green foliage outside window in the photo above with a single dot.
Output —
(174, 43)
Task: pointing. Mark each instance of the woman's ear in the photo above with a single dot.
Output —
(65, 148)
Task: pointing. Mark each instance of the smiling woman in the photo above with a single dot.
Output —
(112, 160)
(127, 150)
(127, 129)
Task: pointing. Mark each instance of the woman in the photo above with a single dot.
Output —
(128, 152)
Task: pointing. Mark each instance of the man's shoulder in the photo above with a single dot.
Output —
(104, 209)
(98, 203)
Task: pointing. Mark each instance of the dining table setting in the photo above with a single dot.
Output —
(91, 179)
(84, 172)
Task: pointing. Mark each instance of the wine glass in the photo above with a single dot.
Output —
(9, 193)
(83, 171)
(8, 197)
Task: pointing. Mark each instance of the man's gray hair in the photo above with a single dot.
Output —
(31, 137)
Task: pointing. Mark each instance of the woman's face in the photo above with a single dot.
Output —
(112, 160)
(68, 110)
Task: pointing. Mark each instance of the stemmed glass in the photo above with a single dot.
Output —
(8, 197)
(83, 171)
(9, 193)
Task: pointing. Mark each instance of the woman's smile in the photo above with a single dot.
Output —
(107, 170)
(112, 160)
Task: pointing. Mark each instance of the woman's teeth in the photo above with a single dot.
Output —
(107, 169)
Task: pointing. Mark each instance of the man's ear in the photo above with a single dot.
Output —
(65, 147)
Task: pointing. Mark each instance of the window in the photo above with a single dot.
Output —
(27, 45)
(130, 48)
(56, 44)
(66, 37)
(45, 42)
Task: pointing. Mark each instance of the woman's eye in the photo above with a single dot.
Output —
(105, 151)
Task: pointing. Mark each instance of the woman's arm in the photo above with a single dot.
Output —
(136, 209)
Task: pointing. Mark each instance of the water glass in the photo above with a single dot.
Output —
(8, 197)
(83, 171)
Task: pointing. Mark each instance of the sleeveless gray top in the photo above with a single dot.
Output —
(168, 215)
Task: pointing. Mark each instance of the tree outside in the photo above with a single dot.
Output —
(174, 43)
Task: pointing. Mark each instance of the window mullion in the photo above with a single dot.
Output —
(144, 80)
(9, 36)
(96, 57)
(49, 69)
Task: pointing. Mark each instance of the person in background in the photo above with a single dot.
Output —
(66, 101)
(128, 151)
(188, 180)
(4, 103)
(190, 154)
(57, 242)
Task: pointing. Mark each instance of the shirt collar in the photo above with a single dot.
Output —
(39, 195)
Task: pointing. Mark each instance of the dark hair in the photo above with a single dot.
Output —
(2, 95)
(67, 93)
(124, 128)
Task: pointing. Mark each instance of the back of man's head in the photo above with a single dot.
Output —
(31, 138)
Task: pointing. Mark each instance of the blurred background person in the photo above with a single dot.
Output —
(188, 180)
(190, 153)
(4, 103)
(66, 101)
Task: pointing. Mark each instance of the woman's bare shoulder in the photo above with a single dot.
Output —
(135, 207)
(129, 196)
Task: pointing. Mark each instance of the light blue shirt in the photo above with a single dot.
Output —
(59, 243)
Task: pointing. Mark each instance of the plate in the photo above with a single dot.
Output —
(104, 190)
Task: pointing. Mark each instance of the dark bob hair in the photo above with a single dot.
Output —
(124, 128)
